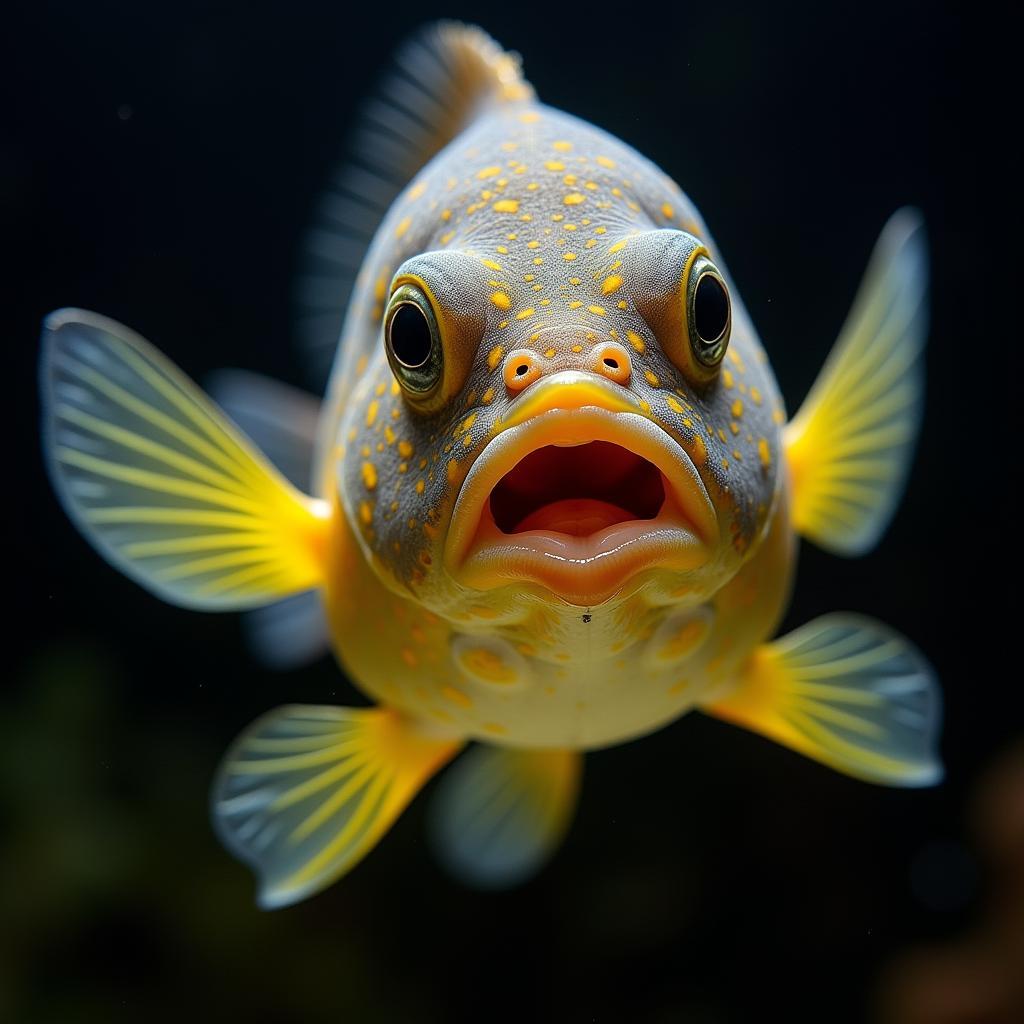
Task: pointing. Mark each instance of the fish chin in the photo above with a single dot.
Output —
(581, 500)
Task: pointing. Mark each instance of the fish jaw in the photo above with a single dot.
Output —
(579, 492)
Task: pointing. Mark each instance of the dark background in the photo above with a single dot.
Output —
(159, 163)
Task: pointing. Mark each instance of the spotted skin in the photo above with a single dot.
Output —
(543, 242)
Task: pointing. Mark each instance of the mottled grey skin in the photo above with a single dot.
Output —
(442, 229)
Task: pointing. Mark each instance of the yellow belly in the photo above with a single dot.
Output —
(533, 674)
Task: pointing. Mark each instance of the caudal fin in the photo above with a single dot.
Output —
(850, 446)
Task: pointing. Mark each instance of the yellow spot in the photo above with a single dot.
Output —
(737, 408)
(557, 218)
(570, 179)
(420, 486)
(652, 378)
(764, 453)
(573, 199)
(405, 449)
(371, 413)
(525, 314)
(446, 215)
(700, 450)
(597, 310)
(494, 356)
(554, 165)
(369, 475)
(506, 206)
(447, 237)
(645, 406)
(501, 300)
(538, 260)
(503, 249)
(488, 172)
(488, 396)
(529, 117)
(635, 340)
(490, 264)
(600, 231)
(561, 146)
(611, 284)
(456, 696)
(467, 423)
(617, 247)
(605, 162)
(666, 211)
(575, 304)
(366, 512)
(389, 434)
(549, 354)
(568, 256)
(577, 348)
(673, 404)
(403, 226)
(727, 378)
(488, 666)
(534, 244)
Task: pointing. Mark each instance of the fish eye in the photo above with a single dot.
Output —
(708, 313)
(412, 340)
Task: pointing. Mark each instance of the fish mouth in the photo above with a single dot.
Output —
(579, 492)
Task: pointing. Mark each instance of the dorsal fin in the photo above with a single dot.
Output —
(441, 80)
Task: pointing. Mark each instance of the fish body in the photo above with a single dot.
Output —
(555, 493)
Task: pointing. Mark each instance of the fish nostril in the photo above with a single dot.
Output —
(612, 361)
(521, 368)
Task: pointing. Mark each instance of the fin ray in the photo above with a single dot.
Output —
(302, 821)
(846, 691)
(500, 813)
(849, 448)
(161, 484)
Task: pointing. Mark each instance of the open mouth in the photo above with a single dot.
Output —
(577, 490)
(579, 493)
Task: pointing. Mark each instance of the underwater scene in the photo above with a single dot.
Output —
(510, 517)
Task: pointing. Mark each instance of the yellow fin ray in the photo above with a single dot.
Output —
(303, 821)
(849, 447)
(848, 692)
(500, 813)
(160, 481)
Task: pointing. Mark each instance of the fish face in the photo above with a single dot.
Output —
(579, 456)
(568, 399)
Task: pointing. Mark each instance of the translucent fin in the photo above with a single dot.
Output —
(442, 78)
(160, 482)
(848, 692)
(849, 448)
(306, 792)
(290, 633)
(281, 420)
(500, 813)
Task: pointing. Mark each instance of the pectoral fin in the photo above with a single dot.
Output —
(849, 448)
(306, 792)
(161, 482)
(499, 813)
(848, 692)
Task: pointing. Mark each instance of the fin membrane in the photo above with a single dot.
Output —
(441, 79)
(305, 792)
(288, 634)
(500, 813)
(160, 482)
(848, 692)
(849, 448)
(282, 421)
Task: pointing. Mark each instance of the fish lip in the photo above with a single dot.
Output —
(568, 409)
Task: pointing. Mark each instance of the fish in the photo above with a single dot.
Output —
(549, 503)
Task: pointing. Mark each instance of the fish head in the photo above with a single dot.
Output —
(617, 428)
